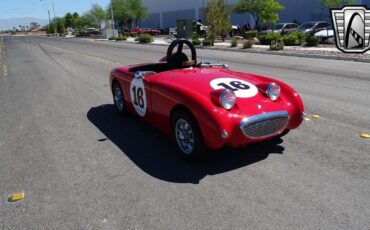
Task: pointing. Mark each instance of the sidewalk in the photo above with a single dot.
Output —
(322, 51)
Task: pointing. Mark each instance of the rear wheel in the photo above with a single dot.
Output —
(187, 136)
(118, 98)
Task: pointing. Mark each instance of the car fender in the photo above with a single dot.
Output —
(211, 120)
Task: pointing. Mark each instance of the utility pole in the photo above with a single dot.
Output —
(52, 2)
(111, 11)
(49, 17)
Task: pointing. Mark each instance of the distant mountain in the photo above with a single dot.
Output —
(15, 22)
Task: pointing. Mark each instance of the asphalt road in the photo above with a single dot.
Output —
(82, 166)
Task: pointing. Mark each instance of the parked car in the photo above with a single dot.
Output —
(202, 105)
(200, 29)
(282, 28)
(326, 35)
(145, 31)
(92, 32)
(313, 27)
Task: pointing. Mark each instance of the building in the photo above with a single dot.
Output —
(164, 13)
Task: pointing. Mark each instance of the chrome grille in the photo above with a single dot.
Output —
(264, 124)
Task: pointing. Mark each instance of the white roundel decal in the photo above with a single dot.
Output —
(241, 88)
(138, 97)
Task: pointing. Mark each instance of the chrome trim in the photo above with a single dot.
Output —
(264, 117)
(268, 90)
(220, 98)
(219, 65)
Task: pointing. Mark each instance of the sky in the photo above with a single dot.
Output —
(39, 8)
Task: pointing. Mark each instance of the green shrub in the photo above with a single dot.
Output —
(207, 42)
(112, 38)
(277, 45)
(195, 36)
(247, 44)
(266, 39)
(145, 38)
(196, 42)
(294, 39)
(126, 34)
(133, 34)
(291, 40)
(234, 42)
(250, 34)
(312, 41)
(121, 38)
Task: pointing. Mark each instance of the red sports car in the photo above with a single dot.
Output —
(145, 31)
(204, 106)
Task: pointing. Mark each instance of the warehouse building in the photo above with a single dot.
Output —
(164, 13)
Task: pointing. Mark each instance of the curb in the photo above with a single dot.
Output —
(276, 53)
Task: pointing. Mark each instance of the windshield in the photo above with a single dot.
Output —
(278, 26)
(306, 25)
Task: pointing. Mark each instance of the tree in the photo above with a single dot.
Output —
(127, 12)
(336, 3)
(34, 26)
(59, 25)
(68, 19)
(97, 15)
(217, 18)
(51, 28)
(261, 10)
(137, 11)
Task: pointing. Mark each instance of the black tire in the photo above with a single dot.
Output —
(120, 107)
(199, 150)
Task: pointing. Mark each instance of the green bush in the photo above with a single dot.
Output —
(312, 41)
(112, 38)
(247, 44)
(121, 38)
(195, 36)
(207, 42)
(250, 34)
(294, 39)
(277, 45)
(126, 34)
(133, 34)
(196, 42)
(266, 39)
(145, 38)
(234, 42)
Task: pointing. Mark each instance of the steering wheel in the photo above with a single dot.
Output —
(179, 59)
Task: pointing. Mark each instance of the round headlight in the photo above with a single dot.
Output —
(227, 99)
(273, 91)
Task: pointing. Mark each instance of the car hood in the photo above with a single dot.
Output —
(201, 82)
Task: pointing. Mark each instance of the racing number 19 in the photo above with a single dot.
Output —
(138, 96)
(234, 86)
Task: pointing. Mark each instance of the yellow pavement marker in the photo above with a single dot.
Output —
(365, 135)
(5, 69)
(16, 197)
(315, 116)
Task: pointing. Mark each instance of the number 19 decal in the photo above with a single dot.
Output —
(241, 88)
(138, 97)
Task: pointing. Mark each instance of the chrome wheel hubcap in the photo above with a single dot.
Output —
(118, 98)
(184, 136)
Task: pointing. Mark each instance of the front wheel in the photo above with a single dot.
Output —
(118, 98)
(187, 136)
